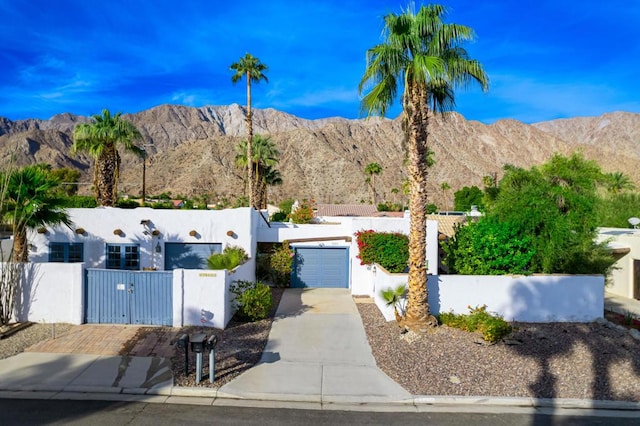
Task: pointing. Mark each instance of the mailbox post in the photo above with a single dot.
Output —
(198, 342)
(183, 343)
(211, 345)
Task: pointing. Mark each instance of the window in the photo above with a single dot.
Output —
(66, 252)
(123, 256)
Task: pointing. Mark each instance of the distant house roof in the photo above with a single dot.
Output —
(446, 223)
(366, 210)
(177, 204)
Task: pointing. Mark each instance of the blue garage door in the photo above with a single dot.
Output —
(320, 267)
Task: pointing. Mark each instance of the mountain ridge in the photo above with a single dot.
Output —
(192, 150)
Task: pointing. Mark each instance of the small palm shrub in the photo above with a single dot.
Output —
(230, 257)
(492, 327)
(252, 300)
(395, 297)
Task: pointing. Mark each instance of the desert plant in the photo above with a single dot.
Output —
(492, 326)
(252, 299)
(395, 297)
(280, 264)
(230, 257)
(303, 213)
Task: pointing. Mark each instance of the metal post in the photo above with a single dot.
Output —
(198, 367)
(212, 365)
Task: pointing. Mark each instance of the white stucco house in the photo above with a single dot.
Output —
(624, 244)
(148, 266)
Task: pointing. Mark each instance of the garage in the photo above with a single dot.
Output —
(320, 267)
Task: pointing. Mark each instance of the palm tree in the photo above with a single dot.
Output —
(250, 67)
(101, 139)
(372, 169)
(265, 155)
(271, 177)
(31, 200)
(618, 182)
(425, 57)
(445, 187)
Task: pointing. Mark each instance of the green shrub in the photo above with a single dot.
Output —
(127, 204)
(488, 247)
(81, 201)
(281, 262)
(231, 257)
(492, 327)
(279, 217)
(252, 299)
(389, 250)
(304, 212)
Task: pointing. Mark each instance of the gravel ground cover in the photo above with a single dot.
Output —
(559, 360)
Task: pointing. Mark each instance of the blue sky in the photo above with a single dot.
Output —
(546, 59)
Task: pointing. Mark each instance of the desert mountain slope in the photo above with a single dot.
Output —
(192, 150)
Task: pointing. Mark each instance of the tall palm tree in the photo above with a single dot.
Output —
(424, 56)
(31, 200)
(101, 139)
(250, 67)
(265, 155)
(271, 177)
(445, 187)
(372, 170)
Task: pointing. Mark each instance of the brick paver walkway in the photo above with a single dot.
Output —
(111, 340)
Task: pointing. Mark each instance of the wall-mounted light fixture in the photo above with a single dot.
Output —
(193, 233)
(145, 222)
(80, 231)
(155, 232)
(42, 230)
(230, 233)
(118, 232)
(158, 248)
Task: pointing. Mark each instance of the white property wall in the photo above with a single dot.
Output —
(535, 298)
(51, 292)
(211, 226)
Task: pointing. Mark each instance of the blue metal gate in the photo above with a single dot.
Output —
(129, 297)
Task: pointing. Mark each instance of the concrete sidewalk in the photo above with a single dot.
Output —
(317, 352)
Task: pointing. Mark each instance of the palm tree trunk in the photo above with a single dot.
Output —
(250, 144)
(417, 115)
(106, 177)
(20, 247)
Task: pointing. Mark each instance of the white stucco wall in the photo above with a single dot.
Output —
(535, 298)
(621, 279)
(211, 226)
(51, 292)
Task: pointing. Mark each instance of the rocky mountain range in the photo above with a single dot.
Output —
(191, 151)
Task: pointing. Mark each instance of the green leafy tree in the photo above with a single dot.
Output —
(31, 201)
(68, 180)
(466, 197)
(372, 170)
(555, 204)
(615, 210)
(488, 247)
(250, 68)
(424, 56)
(101, 140)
